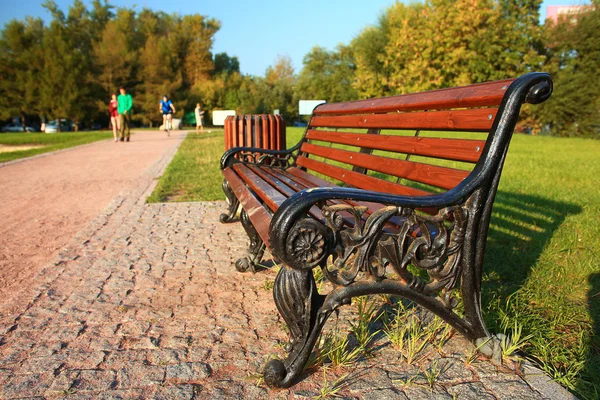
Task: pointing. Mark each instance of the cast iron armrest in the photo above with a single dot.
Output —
(228, 157)
(296, 207)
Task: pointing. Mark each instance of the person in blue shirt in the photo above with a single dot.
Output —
(168, 109)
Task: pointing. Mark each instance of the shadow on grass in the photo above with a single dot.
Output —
(592, 363)
(521, 226)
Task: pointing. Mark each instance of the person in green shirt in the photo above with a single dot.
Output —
(125, 102)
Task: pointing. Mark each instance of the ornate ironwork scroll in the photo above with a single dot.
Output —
(233, 204)
(368, 255)
(274, 160)
(256, 250)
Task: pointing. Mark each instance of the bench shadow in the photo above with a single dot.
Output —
(592, 362)
(521, 226)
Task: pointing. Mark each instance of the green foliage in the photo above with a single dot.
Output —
(444, 43)
(327, 75)
(574, 60)
(372, 67)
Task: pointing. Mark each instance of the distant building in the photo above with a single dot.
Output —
(554, 12)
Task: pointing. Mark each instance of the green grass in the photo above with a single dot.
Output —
(542, 268)
(194, 173)
(49, 142)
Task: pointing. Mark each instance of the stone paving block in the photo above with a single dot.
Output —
(163, 357)
(130, 394)
(188, 372)
(46, 349)
(470, 391)
(509, 384)
(178, 392)
(95, 380)
(30, 385)
(41, 365)
(139, 343)
(415, 392)
(384, 394)
(140, 376)
(175, 342)
(63, 382)
(116, 360)
(167, 327)
(134, 328)
(83, 359)
(5, 375)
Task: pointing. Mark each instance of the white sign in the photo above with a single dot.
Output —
(218, 116)
(307, 106)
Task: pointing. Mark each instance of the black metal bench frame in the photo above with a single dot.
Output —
(369, 260)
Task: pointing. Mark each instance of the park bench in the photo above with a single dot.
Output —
(372, 205)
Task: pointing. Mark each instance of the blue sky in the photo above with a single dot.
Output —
(257, 31)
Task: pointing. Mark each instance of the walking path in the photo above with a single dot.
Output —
(145, 303)
(46, 200)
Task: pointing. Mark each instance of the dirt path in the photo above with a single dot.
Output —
(45, 201)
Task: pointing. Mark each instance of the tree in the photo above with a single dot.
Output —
(21, 60)
(327, 75)
(371, 66)
(225, 64)
(573, 58)
(444, 43)
(159, 78)
(198, 35)
(113, 59)
(279, 94)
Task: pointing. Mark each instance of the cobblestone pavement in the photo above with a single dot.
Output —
(146, 303)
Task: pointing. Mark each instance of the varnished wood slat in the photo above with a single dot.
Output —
(271, 196)
(257, 213)
(480, 119)
(359, 180)
(308, 181)
(450, 149)
(487, 94)
(296, 183)
(319, 182)
(442, 177)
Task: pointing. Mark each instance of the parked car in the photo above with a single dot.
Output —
(17, 128)
(65, 126)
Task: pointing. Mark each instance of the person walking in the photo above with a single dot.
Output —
(113, 111)
(125, 102)
(168, 109)
(199, 116)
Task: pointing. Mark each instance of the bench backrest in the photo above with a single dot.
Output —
(395, 144)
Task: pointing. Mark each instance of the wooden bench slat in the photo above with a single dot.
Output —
(442, 177)
(300, 184)
(300, 180)
(480, 95)
(467, 150)
(271, 196)
(359, 180)
(257, 213)
(457, 120)
(323, 183)
(282, 187)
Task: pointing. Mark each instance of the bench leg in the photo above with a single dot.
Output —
(234, 204)
(256, 250)
(301, 306)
